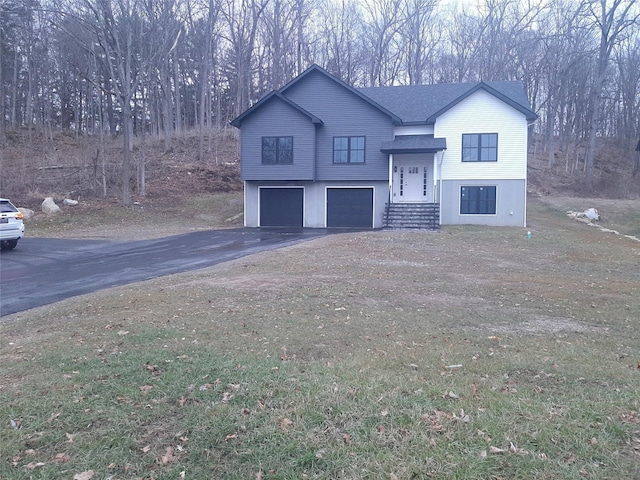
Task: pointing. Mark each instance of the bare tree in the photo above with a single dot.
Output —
(124, 31)
(382, 22)
(627, 61)
(212, 13)
(419, 37)
(242, 19)
(612, 19)
(341, 40)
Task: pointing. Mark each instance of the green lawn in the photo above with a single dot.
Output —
(469, 353)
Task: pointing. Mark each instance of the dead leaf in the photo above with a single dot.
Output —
(259, 475)
(168, 456)
(146, 449)
(231, 436)
(152, 368)
(62, 458)
(347, 438)
(630, 417)
(496, 450)
(34, 465)
(145, 388)
(285, 424)
(84, 475)
(452, 395)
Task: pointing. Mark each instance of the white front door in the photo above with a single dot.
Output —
(410, 183)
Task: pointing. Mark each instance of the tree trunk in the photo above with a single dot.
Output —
(126, 152)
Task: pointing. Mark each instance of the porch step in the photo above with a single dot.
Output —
(412, 216)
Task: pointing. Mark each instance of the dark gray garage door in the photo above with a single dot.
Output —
(350, 207)
(281, 207)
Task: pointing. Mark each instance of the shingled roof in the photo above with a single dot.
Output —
(406, 105)
(419, 104)
(414, 144)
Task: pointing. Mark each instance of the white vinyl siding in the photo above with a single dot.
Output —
(482, 112)
(413, 130)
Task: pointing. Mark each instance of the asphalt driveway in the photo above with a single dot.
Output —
(46, 270)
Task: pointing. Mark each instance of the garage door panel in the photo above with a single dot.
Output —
(350, 207)
(281, 207)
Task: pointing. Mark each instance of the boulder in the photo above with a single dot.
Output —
(592, 214)
(69, 202)
(49, 206)
(26, 212)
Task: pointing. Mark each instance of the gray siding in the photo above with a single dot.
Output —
(510, 203)
(277, 119)
(344, 114)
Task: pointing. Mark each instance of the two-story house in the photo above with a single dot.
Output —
(320, 153)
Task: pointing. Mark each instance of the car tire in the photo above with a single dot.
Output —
(8, 244)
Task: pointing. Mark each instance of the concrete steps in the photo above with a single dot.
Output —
(412, 216)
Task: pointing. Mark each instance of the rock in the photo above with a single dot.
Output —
(592, 214)
(49, 206)
(69, 202)
(27, 212)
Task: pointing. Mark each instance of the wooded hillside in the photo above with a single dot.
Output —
(152, 71)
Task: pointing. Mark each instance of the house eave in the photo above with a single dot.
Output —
(411, 150)
(414, 144)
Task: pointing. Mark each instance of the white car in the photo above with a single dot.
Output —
(11, 225)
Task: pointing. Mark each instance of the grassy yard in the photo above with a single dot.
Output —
(469, 353)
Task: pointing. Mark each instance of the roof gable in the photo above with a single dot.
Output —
(527, 112)
(270, 97)
(420, 104)
(315, 69)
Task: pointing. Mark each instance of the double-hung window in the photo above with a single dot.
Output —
(478, 200)
(480, 147)
(348, 149)
(277, 150)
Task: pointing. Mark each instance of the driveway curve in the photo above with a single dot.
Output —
(41, 271)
